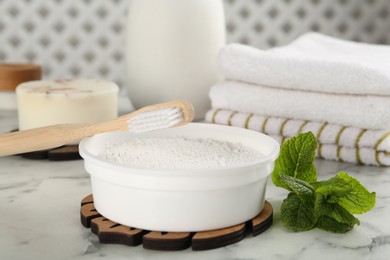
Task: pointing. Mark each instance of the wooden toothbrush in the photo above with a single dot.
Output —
(158, 116)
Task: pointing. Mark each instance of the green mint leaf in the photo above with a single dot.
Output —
(299, 187)
(296, 159)
(321, 206)
(343, 216)
(330, 224)
(324, 208)
(358, 200)
(347, 192)
(332, 189)
(297, 214)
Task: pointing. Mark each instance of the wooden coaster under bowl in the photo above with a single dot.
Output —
(110, 232)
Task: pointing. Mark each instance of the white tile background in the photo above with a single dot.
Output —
(85, 38)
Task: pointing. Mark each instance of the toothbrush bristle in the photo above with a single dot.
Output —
(156, 119)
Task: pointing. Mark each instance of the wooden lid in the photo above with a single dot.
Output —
(12, 74)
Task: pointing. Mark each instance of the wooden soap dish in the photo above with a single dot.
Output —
(63, 153)
(110, 232)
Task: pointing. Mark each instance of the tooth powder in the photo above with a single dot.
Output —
(179, 153)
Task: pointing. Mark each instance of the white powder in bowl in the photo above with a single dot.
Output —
(179, 153)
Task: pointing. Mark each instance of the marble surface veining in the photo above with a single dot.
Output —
(40, 203)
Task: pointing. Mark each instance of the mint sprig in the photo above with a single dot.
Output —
(328, 204)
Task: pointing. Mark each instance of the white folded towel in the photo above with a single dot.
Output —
(371, 112)
(313, 62)
(336, 142)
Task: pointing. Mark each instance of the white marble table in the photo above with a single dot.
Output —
(40, 203)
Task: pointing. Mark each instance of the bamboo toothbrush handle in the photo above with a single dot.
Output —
(41, 138)
(57, 135)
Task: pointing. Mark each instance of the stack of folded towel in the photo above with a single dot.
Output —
(337, 89)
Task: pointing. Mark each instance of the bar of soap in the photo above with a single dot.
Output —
(43, 103)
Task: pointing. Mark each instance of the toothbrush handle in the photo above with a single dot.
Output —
(40, 138)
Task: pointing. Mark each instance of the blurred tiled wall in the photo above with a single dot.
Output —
(85, 38)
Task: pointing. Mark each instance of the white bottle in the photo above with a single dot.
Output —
(171, 50)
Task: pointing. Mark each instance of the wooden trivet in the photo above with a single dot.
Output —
(110, 232)
(63, 153)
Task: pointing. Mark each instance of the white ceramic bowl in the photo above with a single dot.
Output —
(180, 200)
